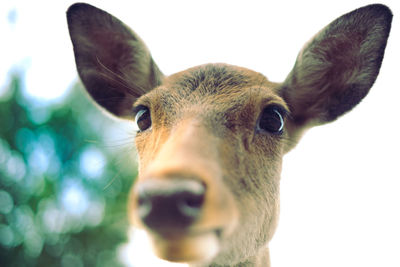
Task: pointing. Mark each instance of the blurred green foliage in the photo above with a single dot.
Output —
(63, 186)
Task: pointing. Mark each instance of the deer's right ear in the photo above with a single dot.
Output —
(112, 61)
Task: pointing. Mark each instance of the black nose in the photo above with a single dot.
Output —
(167, 205)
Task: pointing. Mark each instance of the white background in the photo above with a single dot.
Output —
(340, 189)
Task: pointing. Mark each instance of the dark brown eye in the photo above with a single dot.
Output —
(271, 120)
(143, 118)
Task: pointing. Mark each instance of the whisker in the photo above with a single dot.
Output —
(112, 180)
(120, 80)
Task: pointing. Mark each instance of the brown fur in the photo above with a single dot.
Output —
(204, 123)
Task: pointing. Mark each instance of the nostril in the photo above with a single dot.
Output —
(194, 201)
(190, 203)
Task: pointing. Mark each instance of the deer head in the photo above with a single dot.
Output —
(211, 138)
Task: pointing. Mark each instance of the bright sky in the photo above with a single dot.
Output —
(36, 39)
(340, 186)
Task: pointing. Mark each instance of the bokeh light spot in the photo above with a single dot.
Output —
(6, 202)
(92, 162)
(74, 198)
(39, 160)
(95, 213)
(33, 243)
(16, 167)
(53, 219)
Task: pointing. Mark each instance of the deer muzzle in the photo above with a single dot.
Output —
(181, 199)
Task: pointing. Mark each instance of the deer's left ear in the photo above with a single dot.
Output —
(336, 69)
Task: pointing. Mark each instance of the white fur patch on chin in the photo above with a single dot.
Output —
(197, 248)
(138, 252)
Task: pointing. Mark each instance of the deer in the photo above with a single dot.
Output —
(211, 139)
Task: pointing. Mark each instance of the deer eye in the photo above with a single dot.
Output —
(271, 120)
(142, 118)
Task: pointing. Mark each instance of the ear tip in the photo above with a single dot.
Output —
(74, 10)
(380, 11)
(385, 15)
(78, 9)
(82, 15)
(381, 8)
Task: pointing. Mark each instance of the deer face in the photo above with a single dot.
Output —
(211, 139)
(210, 144)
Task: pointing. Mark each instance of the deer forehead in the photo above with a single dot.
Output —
(214, 91)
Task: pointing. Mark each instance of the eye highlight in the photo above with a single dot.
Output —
(142, 118)
(271, 120)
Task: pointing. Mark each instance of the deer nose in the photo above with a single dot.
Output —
(167, 205)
